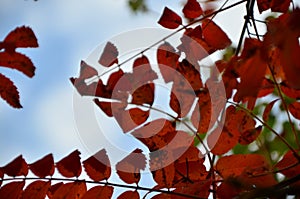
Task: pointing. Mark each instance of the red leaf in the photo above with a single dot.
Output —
(201, 115)
(250, 169)
(268, 109)
(170, 19)
(192, 9)
(164, 176)
(288, 165)
(22, 37)
(214, 35)
(17, 61)
(252, 71)
(109, 55)
(129, 168)
(43, 167)
(156, 134)
(263, 5)
(250, 135)
(70, 165)
(103, 192)
(130, 119)
(167, 61)
(290, 92)
(129, 195)
(36, 190)
(70, 190)
(97, 166)
(105, 107)
(280, 5)
(144, 94)
(12, 190)
(54, 188)
(9, 92)
(86, 71)
(199, 189)
(17, 167)
(294, 109)
(142, 72)
(189, 166)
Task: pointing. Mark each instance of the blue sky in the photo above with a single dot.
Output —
(67, 31)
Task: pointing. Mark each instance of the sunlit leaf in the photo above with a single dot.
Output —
(268, 109)
(294, 109)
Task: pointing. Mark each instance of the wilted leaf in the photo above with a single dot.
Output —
(192, 9)
(17, 167)
(129, 168)
(103, 192)
(43, 167)
(9, 92)
(109, 55)
(36, 190)
(170, 19)
(98, 166)
(70, 166)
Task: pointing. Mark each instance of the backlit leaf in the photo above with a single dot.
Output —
(9, 92)
(129, 168)
(98, 166)
(43, 167)
(105, 107)
(156, 134)
(12, 190)
(294, 109)
(192, 9)
(164, 177)
(252, 169)
(22, 37)
(129, 195)
(214, 35)
(170, 19)
(70, 166)
(17, 167)
(86, 71)
(288, 165)
(280, 5)
(167, 61)
(109, 55)
(72, 190)
(36, 190)
(144, 94)
(250, 135)
(99, 192)
(17, 61)
(268, 109)
(199, 189)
